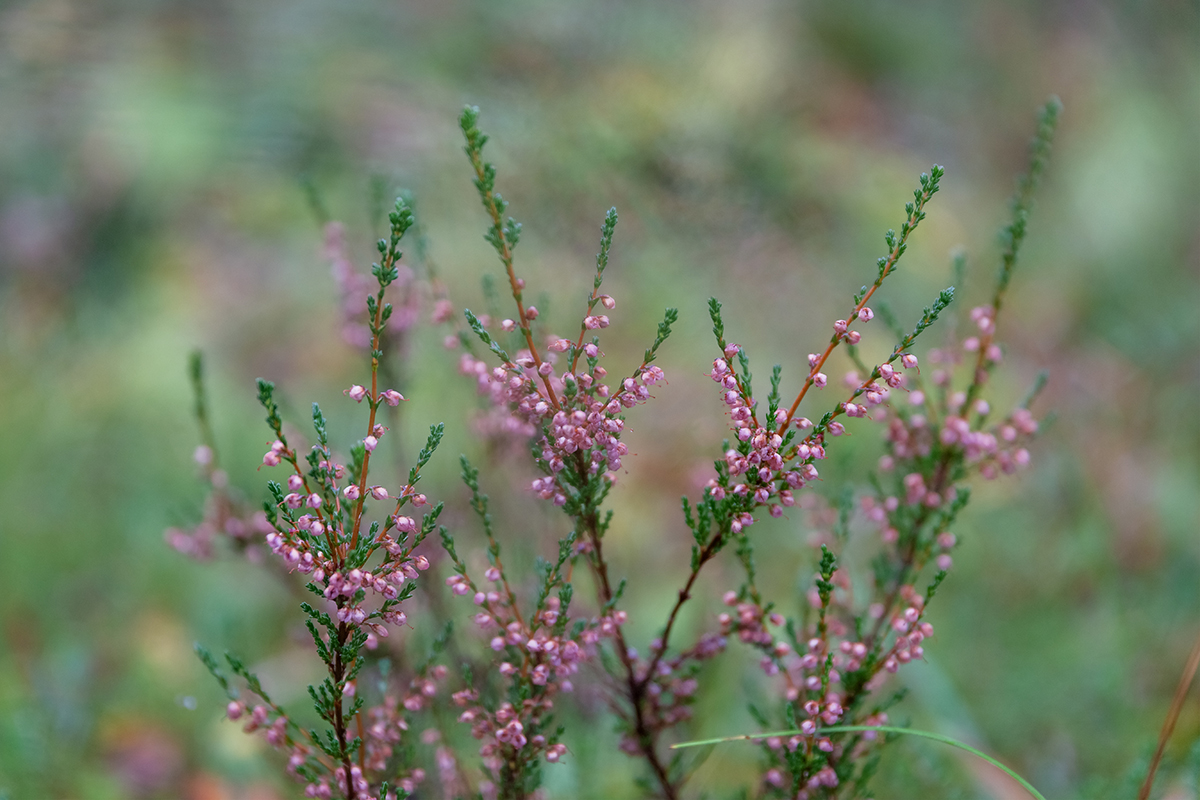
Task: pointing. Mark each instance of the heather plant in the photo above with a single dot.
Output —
(361, 570)
(360, 547)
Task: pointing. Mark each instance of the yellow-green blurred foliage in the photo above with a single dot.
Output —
(153, 155)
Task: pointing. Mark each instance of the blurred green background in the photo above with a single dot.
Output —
(153, 159)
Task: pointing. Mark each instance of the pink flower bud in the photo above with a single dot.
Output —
(443, 310)
(608, 302)
(356, 393)
(271, 459)
(508, 326)
(866, 314)
(379, 493)
(908, 360)
(351, 492)
(392, 397)
(370, 443)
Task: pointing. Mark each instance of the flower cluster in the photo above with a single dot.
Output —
(541, 650)
(307, 543)
(578, 414)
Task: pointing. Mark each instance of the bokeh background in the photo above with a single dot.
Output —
(158, 160)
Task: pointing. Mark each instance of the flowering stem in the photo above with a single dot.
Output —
(906, 563)
(896, 248)
(485, 176)
(606, 235)
(385, 272)
(1014, 235)
(373, 399)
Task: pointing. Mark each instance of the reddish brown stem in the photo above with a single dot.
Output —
(635, 688)
(892, 258)
(685, 594)
(373, 399)
(338, 673)
(513, 282)
(1181, 692)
